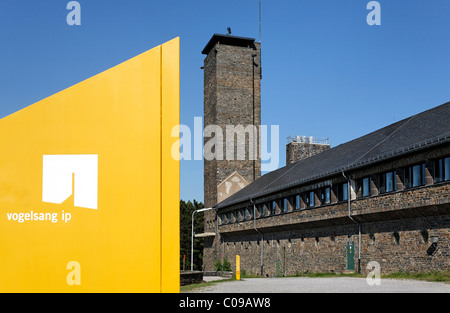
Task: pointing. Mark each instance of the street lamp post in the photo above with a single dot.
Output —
(192, 236)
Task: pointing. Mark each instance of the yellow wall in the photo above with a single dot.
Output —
(130, 242)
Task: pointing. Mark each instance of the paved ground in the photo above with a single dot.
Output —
(324, 285)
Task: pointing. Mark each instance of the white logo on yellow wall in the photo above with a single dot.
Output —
(67, 175)
(64, 175)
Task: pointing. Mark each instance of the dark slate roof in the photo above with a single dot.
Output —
(228, 40)
(417, 132)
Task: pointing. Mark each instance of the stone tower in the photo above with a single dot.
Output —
(232, 110)
(232, 116)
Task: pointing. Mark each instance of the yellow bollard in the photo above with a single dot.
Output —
(238, 267)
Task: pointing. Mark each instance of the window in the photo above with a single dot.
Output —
(261, 209)
(229, 217)
(363, 187)
(387, 182)
(285, 204)
(390, 181)
(417, 175)
(250, 212)
(281, 205)
(414, 175)
(366, 187)
(305, 197)
(407, 178)
(442, 170)
(273, 208)
(297, 202)
(447, 168)
(243, 214)
(438, 171)
(311, 198)
(344, 192)
(327, 195)
(381, 183)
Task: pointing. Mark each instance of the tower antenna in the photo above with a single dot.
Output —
(260, 21)
(260, 40)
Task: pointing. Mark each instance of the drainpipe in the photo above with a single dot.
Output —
(262, 237)
(349, 195)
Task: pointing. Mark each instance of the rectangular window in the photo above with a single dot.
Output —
(321, 196)
(441, 170)
(345, 192)
(285, 204)
(417, 175)
(382, 183)
(447, 168)
(261, 209)
(311, 198)
(414, 176)
(273, 208)
(359, 188)
(366, 187)
(243, 214)
(408, 177)
(387, 182)
(390, 181)
(438, 170)
(297, 202)
(327, 195)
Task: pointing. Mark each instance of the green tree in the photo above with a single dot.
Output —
(186, 210)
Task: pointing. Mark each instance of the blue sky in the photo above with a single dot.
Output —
(326, 72)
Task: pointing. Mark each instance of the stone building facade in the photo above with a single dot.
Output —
(383, 197)
(406, 229)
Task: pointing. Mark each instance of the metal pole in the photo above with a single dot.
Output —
(192, 243)
(192, 236)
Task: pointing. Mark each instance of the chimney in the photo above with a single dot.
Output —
(300, 148)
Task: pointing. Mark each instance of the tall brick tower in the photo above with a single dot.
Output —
(232, 107)
(232, 101)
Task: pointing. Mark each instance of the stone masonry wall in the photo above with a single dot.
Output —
(296, 151)
(396, 246)
(232, 96)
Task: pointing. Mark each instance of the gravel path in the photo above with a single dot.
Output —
(324, 285)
